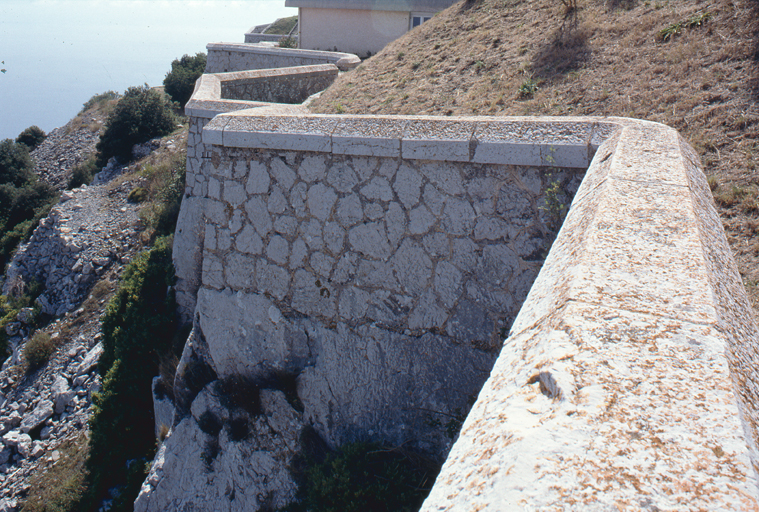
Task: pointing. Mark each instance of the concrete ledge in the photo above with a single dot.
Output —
(251, 56)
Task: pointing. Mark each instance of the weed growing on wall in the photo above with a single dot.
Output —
(553, 204)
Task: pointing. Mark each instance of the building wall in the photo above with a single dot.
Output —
(353, 31)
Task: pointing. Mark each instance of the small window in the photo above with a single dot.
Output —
(417, 20)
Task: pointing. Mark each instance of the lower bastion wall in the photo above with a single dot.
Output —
(371, 267)
(229, 57)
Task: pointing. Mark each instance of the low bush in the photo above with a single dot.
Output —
(180, 81)
(31, 137)
(23, 199)
(83, 173)
(140, 115)
(15, 163)
(365, 477)
(288, 42)
(138, 195)
(38, 349)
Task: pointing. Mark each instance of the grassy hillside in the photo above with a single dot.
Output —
(691, 64)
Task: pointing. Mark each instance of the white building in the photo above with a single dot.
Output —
(362, 27)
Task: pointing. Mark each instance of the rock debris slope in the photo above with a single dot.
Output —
(77, 252)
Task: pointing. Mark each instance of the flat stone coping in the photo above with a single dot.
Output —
(344, 61)
(206, 101)
(629, 379)
(563, 142)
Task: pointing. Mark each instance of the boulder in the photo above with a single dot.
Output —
(38, 449)
(249, 457)
(8, 505)
(5, 455)
(38, 416)
(11, 439)
(25, 315)
(24, 445)
(90, 360)
(62, 394)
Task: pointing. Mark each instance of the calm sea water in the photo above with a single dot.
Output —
(58, 53)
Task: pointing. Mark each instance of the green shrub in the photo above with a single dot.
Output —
(31, 137)
(138, 326)
(38, 349)
(83, 173)
(138, 195)
(15, 163)
(288, 42)
(528, 88)
(139, 116)
(23, 199)
(180, 81)
(365, 477)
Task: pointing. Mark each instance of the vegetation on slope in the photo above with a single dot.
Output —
(180, 81)
(283, 26)
(140, 115)
(23, 199)
(690, 64)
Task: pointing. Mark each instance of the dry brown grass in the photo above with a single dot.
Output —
(61, 486)
(607, 58)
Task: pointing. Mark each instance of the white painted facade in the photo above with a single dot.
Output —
(362, 28)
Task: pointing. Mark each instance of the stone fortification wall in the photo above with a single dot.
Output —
(376, 263)
(629, 380)
(368, 247)
(254, 38)
(281, 85)
(230, 57)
